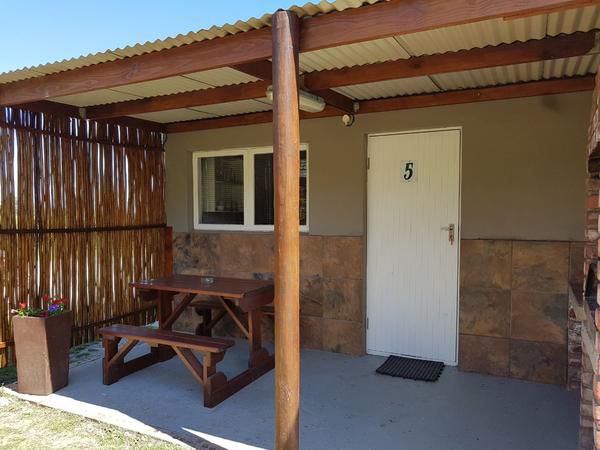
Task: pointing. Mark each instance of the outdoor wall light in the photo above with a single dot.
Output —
(307, 102)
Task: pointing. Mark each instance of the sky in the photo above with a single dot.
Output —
(39, 31)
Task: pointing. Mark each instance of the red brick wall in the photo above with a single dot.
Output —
(590, 382)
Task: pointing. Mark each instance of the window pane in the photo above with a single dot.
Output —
(222, 190)
(264, 189)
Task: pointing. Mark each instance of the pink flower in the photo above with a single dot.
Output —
(22, 306)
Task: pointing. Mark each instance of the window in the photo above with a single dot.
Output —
(234, 190)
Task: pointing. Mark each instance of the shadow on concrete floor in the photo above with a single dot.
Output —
(345, 405)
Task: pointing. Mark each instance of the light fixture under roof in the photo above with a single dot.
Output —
(307, 102)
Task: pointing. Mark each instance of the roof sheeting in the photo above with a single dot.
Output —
(479, 34)
(448, 39)
(309, 9)
(455, 38)
(542, 70)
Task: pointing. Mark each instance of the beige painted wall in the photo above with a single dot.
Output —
(523, 169)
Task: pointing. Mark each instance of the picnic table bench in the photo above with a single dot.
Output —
(242, 300)
(212, 349)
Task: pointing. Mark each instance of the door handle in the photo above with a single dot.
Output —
(450, 230)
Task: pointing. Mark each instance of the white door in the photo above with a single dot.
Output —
(412, 258)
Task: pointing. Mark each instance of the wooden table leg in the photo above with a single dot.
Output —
(203, 329)
(259, 356)
(164, 310)
(165, 307)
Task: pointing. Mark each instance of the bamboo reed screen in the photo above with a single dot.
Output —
(81, 215)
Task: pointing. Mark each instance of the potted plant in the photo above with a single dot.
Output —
(42, 342)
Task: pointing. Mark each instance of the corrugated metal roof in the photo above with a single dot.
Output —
(173, 115)
(163, 86)
(239, 107)
(208, 111)
(224, 76)
(542, 70)
(501, 31)
(391, 88)
(352, 55)
(309, 9)
(479, 34)
(475, 35)
(565, 67)
(452, 39)
(95, 98)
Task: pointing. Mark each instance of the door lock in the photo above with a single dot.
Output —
(450, 230)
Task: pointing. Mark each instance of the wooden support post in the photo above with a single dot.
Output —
(286, 146)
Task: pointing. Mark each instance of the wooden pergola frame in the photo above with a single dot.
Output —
(289, 36)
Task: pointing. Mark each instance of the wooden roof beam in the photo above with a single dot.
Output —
(61, 109)
(510, 91)
(212, 96)
(263, 70)
(205, 55)
(398, 17)
(321, 82)
(486, 94)
(563, 46)
(369, 22)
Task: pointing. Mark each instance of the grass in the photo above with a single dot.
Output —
(24, 425)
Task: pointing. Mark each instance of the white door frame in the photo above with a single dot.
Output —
(458, 229)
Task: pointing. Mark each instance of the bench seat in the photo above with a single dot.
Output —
(167, 337)
(165, 344)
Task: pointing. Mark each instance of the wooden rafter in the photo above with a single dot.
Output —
(479, 58)
(398, 17)
(486, 94)
(245, 91)
(321, 82)
(517, 90)
(263, 70)
(199, 56)
(61, 109)
(328, 30)
(241, 119)
(259, 69)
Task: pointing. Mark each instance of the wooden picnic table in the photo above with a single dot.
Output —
(242, 300)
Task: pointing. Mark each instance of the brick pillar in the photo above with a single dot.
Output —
(574, 350)
(586, 419)
(589, 435)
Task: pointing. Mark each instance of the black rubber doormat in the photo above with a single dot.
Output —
(412, 369)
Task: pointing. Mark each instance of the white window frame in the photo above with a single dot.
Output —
(248, 158)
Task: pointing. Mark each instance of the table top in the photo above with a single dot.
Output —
(196, 284)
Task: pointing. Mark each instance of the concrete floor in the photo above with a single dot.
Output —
(345, 405)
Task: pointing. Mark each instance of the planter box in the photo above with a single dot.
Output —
(42, 349)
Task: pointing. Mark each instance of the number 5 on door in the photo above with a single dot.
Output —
(409, 171)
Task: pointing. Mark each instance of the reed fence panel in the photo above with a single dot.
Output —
(81, 215)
